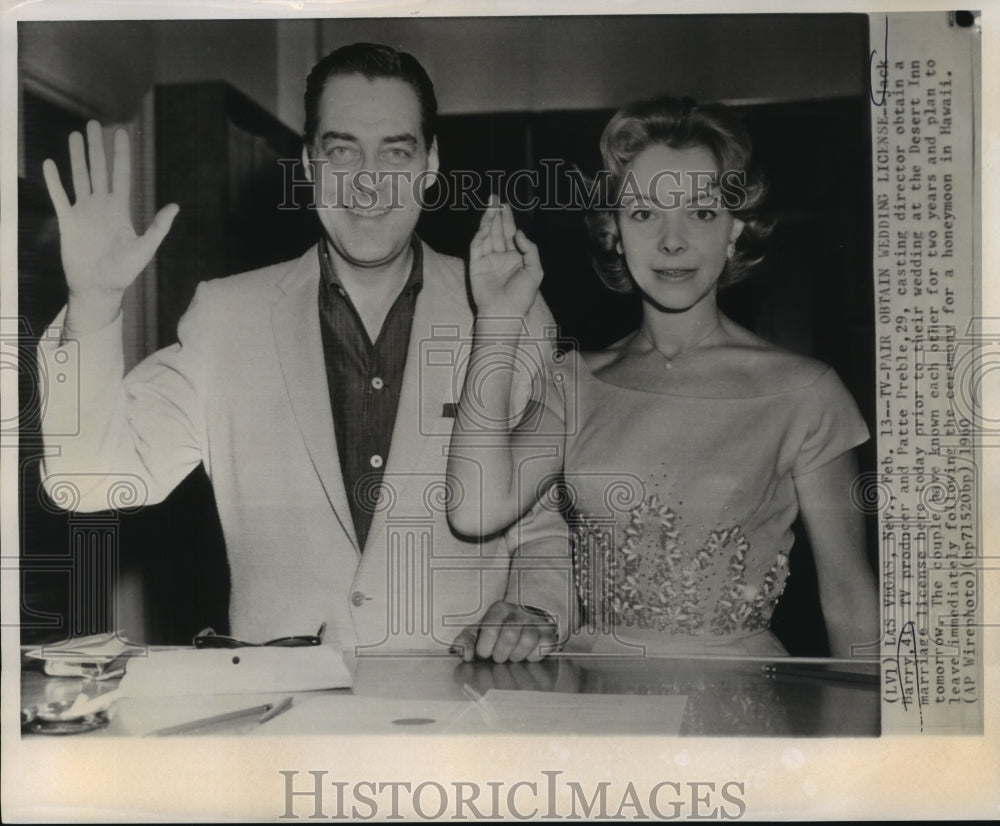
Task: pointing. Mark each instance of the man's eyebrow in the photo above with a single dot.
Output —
(333, 135)
(406, 137)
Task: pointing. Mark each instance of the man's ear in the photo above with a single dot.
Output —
(307, 162)
(433, 164)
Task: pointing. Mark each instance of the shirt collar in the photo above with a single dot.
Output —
(413, 283)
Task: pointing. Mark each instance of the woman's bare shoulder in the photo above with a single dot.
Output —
(772, 366)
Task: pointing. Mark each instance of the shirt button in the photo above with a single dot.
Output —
(377, 383)
(357, 598)
(375, 461)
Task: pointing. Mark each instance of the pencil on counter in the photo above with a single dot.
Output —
(276, 709)
(820, 673)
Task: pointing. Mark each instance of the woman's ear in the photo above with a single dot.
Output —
(734, 233)
(737, 229)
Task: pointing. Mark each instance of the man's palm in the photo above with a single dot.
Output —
(101, 252)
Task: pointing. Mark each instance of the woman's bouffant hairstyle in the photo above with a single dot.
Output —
(679, 124)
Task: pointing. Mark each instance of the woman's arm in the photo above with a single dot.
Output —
(497, 462)
(836, 530)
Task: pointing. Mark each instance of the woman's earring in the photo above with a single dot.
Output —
(731, 249)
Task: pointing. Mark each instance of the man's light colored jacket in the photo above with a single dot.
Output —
(245, 392)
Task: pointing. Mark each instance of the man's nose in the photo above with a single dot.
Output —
(372, 169)
(371, 176)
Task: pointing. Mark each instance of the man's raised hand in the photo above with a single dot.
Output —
(503, 265)
(101, 252)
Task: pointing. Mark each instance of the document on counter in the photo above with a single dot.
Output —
(246, 670)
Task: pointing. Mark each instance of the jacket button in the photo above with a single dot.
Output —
(357, 598)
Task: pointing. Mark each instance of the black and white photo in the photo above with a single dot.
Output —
(575, 414)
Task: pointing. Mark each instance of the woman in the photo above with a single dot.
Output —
(696, 442)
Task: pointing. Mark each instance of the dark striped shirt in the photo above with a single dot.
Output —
(364, 379)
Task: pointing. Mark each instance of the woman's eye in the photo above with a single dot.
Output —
(705, 214)
(640, 215)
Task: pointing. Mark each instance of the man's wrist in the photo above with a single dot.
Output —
(88, 313)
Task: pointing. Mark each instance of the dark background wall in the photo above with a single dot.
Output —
(515, 94)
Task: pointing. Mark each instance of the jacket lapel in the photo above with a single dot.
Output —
(295, 321)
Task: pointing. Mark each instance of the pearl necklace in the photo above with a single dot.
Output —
(669, 360)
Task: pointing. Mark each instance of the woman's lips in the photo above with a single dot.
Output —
(675, 272)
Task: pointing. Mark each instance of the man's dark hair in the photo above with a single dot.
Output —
(370, 60)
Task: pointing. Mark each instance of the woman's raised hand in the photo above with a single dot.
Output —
(503, 265)
(101, 252)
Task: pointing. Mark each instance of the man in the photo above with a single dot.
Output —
(307, 391)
